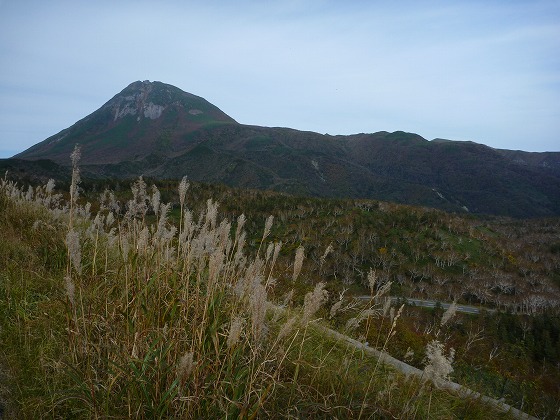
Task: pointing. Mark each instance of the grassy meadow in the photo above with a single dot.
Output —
(137, 307)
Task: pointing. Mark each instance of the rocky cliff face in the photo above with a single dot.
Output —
(136, 104)
(150, 99)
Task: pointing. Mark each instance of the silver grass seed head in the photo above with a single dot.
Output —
(139, 197)
(215, 266)
(277, 247)
(112, 237)
(29, 194)
(113, 203)
(109, 219)
(387, 307)
(40, 191)
(98, 222)
(372, 278)
(223, 234)
(268, 226)
(352, 324)
(235, 330)
(397, 316)
(164, 212)
(74, 189)
(134, 352)
(188, 225)
(241, 241)
(183, 187)
(288, 298)
(287, 328)
(335, 308)
(313, 302)
(326, 253)
(86, 211)
(258, 304)
(125, 248)
(49, 188)
(449, 313)
(367, 313)
(170, 234)
(240, 224)
(143, 240)
(383, 290)
(438, 365)
(76, 155)
(298, 262)
(156, 199)
(103, 199)
(269, 250)
(211, 213)
(169, 254)
(70, 289)
(186, 365)
(74, 250)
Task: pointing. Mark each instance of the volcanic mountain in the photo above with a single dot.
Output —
(157, 130)
(145, 118)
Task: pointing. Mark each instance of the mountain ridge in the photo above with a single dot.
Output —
(155, 129)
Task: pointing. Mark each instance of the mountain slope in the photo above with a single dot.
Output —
(398, 167)
(143, 118)
(158, 130)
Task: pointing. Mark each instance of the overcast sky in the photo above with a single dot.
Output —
(486, 71)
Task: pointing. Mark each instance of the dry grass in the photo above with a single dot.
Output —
(114, 317)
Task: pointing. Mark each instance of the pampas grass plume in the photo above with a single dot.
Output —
(70, 289)
(449, 313)
(235, 331)
(186, 365)
(438, 367)
(74, 250)
(298, 262)
(313, 301)
(183, 187)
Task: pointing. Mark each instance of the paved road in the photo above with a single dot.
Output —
(468, 309)
(431, 304)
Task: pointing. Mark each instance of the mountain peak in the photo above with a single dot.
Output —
(145, 116)
(134, 101)
(150, 99)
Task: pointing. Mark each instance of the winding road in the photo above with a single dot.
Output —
(467, 309)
